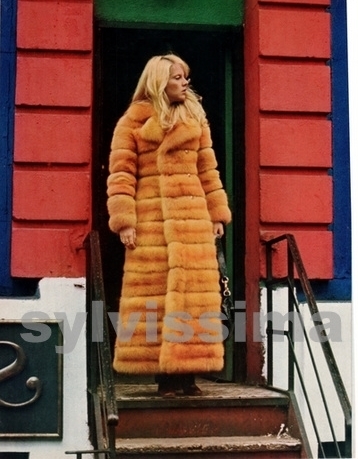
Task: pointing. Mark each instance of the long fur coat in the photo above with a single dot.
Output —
(166, 185)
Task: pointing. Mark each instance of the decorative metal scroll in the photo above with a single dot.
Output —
(15, 368)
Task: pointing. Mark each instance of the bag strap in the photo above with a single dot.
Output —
(222, 266)
(221, 257)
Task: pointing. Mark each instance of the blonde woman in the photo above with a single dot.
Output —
(167, 204)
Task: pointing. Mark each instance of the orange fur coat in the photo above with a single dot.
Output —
(166, 185)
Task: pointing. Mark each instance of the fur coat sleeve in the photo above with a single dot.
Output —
(121, 183)
(210, 180)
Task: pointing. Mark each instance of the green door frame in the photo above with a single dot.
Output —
(225, 16)
(159, 13)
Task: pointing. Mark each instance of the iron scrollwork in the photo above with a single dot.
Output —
(15, 368)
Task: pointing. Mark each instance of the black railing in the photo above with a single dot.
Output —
(102, 407)
(295, 265)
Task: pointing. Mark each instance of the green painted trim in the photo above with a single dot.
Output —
(185, 12)
(229, 184)
(227, 374)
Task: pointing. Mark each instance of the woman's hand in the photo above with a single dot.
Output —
(128, 237)
(218, 229)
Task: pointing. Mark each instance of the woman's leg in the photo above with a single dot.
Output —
(188, 385)
(167, 384)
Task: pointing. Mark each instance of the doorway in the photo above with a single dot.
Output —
(215, 59)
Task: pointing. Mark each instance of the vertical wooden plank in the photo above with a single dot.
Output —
(252, 134)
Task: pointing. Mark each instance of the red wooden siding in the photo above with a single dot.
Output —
(301, 199)
(55, 25)
(281, 142)
(53, 195)
(288, 141)
(53, 81)
(58, 250)
(52, 180)
(306, 32)
(68, 138)
(295, 88)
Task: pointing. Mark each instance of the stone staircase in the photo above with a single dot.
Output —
(227, 421)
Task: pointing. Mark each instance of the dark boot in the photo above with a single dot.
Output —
(188, 385)
(167, 385)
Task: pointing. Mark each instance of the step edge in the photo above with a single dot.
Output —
(208, 444)
(195, 402)
(191, 404)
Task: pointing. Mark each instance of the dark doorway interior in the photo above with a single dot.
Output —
(122, 54)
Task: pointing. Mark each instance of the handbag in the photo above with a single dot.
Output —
(227, 306)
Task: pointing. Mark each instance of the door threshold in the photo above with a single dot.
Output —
(144, 395)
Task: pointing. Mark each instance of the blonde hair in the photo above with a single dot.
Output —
(151, 87)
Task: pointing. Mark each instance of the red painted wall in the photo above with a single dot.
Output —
(52, 157)
(288, 141)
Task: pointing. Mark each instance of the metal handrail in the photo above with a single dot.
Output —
(295, 264)
(99, 370)
(100, 374)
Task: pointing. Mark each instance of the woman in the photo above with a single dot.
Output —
(167, 203)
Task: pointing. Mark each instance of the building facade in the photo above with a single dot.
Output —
(273, 75)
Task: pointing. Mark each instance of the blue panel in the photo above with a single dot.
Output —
(7, 91)
(341, 286)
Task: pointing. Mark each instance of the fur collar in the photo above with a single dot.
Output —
(143, 113)
(140, 111)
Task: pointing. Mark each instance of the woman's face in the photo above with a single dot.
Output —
(177, 84)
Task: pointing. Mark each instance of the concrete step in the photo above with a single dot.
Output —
(214, 447)
(223, 410)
